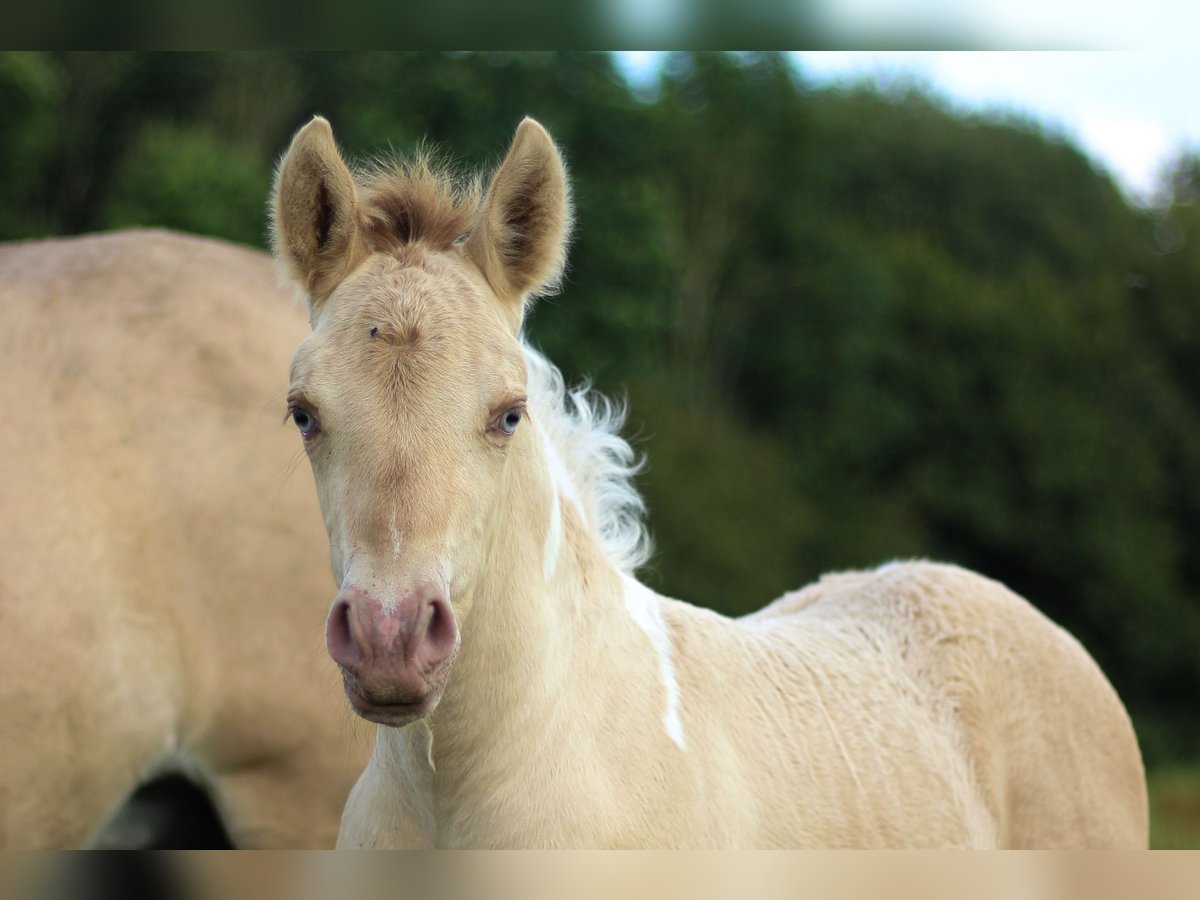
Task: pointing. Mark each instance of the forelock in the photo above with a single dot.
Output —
(419, 200)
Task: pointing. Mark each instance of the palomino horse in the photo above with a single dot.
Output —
(530, 691)
(162, 571)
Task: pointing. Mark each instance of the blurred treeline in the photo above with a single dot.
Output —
(852, 325)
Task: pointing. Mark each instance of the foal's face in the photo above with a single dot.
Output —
(410, 393)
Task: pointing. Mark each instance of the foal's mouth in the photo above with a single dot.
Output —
(387, 711)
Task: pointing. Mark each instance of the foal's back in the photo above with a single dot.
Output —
(1000, 729)
(162, 569)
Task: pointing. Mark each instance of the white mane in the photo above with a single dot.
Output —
(583, 427)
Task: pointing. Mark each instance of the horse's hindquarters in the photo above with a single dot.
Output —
(165, 572)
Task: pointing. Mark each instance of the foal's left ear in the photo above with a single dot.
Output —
(315, 214)
(519, 238)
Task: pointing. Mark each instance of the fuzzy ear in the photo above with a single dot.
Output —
(519, 238)
(316, 232)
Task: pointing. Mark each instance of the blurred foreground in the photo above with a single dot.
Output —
(584, 876)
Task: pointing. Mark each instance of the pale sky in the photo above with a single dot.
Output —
(1130, 110)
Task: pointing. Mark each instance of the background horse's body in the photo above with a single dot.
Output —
(162, 569)
(483, 535)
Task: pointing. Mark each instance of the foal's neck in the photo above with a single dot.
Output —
(556, 635)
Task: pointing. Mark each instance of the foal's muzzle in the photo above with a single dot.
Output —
(394, 657)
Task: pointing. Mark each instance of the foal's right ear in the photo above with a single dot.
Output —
(519, 239)
(316, 233)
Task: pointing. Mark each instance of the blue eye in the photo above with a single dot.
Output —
(510, 420)
(305, 421)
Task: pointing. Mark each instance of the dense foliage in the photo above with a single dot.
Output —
(852, 325)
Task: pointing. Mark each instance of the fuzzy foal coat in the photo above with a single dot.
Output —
(916, 705)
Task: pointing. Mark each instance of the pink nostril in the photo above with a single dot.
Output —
(403, 641)
(441, 633)
(339, 639)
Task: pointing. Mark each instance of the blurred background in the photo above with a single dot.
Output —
(853, 322)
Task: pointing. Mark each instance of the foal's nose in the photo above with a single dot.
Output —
(391, 649)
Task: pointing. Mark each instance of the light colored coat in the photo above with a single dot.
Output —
(163, 569)
(529, 691)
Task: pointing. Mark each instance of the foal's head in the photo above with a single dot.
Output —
(410, 391)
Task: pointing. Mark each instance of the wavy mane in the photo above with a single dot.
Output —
(583, 427)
